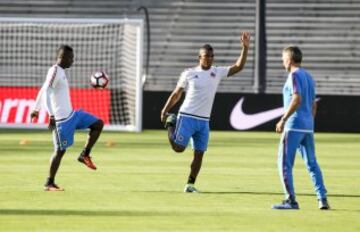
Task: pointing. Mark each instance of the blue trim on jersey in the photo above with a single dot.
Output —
(65, 119)
(193, 115)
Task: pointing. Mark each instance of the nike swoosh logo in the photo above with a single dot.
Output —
(241, 121)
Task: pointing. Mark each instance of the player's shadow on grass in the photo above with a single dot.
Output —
(255, 193)
(281, 194)
(62, 212)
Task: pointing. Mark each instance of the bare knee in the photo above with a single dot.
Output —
(177, 148)
(98, 125)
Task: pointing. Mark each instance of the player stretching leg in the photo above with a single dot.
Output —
(63, 120)
(201, 83)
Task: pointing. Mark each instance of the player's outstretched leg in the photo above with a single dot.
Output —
(54, 166)
(95, 131)
(195, 169)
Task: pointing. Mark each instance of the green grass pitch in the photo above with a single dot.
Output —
(139, 182)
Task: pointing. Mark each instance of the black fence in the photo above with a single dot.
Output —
(260, 112)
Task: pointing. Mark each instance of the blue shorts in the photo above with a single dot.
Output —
(63, 135)
(189, 127)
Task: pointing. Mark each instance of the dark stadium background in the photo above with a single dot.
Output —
(326, 31)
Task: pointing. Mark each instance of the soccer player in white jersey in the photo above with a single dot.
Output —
(63, 120)
(192, 122)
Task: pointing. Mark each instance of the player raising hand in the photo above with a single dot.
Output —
(192, 122)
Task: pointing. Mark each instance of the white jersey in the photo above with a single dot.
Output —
(201, 86)
(55, 94)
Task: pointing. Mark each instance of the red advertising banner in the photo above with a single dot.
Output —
(16, 104)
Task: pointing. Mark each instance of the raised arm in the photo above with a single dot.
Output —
(171, 101)
(240, 62)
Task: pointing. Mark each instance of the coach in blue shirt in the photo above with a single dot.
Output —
(297, 128)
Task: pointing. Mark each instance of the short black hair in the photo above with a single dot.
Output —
(207, 47)
(295, 53)
(65, 48)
